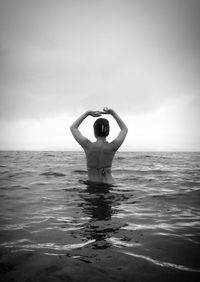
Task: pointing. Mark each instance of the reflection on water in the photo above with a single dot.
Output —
(98, 204)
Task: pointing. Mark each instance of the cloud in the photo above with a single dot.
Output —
(69, 56)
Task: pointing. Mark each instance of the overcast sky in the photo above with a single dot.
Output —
(61, 58)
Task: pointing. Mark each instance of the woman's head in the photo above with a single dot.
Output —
(101, 127)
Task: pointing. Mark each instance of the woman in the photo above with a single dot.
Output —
(100, 154)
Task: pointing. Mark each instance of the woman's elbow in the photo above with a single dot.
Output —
(126, 129)
(71, 128)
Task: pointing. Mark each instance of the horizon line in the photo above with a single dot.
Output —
(119, 151)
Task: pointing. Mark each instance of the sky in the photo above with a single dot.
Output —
(61, 58)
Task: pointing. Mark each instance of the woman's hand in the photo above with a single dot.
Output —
(95, 113)
(107, 111)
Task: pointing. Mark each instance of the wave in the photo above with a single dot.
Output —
(192, 194)
(13, 187)
(80, 171)
(53, 173)
(142, 171)
(48, 245)
(49, 155)
(163, 264)
(120, 170)
(17, 174)
(6, 156)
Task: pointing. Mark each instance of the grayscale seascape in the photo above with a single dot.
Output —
(100, 77)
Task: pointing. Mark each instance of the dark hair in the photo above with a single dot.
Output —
(101, 127)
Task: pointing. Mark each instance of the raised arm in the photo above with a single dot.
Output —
(117, 142)
(83, 141)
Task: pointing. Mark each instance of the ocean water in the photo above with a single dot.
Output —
(151, 215)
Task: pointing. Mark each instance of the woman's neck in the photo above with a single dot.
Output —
(101, 139)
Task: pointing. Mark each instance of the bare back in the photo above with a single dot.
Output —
(99, 162)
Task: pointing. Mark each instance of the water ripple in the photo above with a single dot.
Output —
(162, 264)
(49, 246)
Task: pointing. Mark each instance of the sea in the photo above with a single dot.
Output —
(144, 228)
